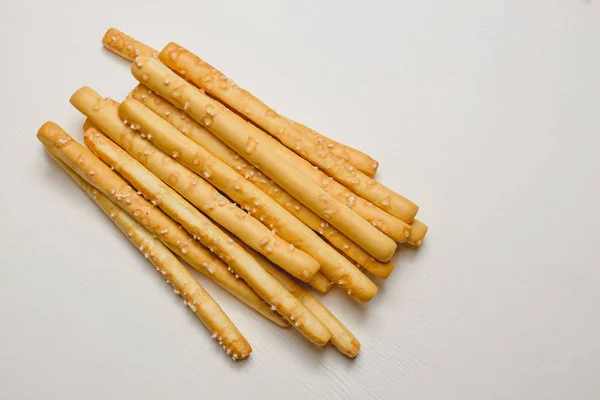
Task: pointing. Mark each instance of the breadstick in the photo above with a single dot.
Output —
(211, 143)
(320, 283)
(210, 201)
(417, 234)
(391, 226)
(388, 224)
(205, 196)
(341, 337)
(210, 235)
(87, 124)
(194, 295)
(195, 157)
(126, 46)
(241, 137)
(96, 173)
(311, 148)
(193, 221)
(121, 41)
(356, 157)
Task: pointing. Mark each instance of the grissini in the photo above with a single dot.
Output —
(180, 209)
(189, 185)
(202, 136)
(391, 226)
(129, 48)
(194, 295)
(320, 283)
(242, 137)
(310, 147)
(126, 46)
(386, 223)
(96, 173)
(105, 114)
(360, 160)
(341, 337)
(189, 153)
(210, 235)
(417, 233)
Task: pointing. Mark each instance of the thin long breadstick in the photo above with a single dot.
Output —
(194, 295)
(195, 157)
(96, 173)
(126, 46)
(206, 198)
(220, 150)
(310, 147)
(360, 160)
(195, 189)
(241, 137)
(210, 235)
(129, 48)
(177, 207)
(341, 337)
(388, 224)
(417, 233)
(320, 283)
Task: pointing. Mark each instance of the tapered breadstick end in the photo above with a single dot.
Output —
(126, 46)
(417, 233)
(50, 134)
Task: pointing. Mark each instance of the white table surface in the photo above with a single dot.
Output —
(486, 113)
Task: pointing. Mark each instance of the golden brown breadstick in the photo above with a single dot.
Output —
(341, 337)
(388, 224)
(391, 226)
(312, 148)
(209, 235)
(320, 283)
(241, 137)
(356, 157)
(194, 295)
(87, 124)
(96, 173)
(195, 157)
(417, 234)
(195, 189)
(211, 143)
(126, 46)
(105, 114)
(212, 202)
(100, 176)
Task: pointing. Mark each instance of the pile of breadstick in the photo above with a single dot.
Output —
(191, 166)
